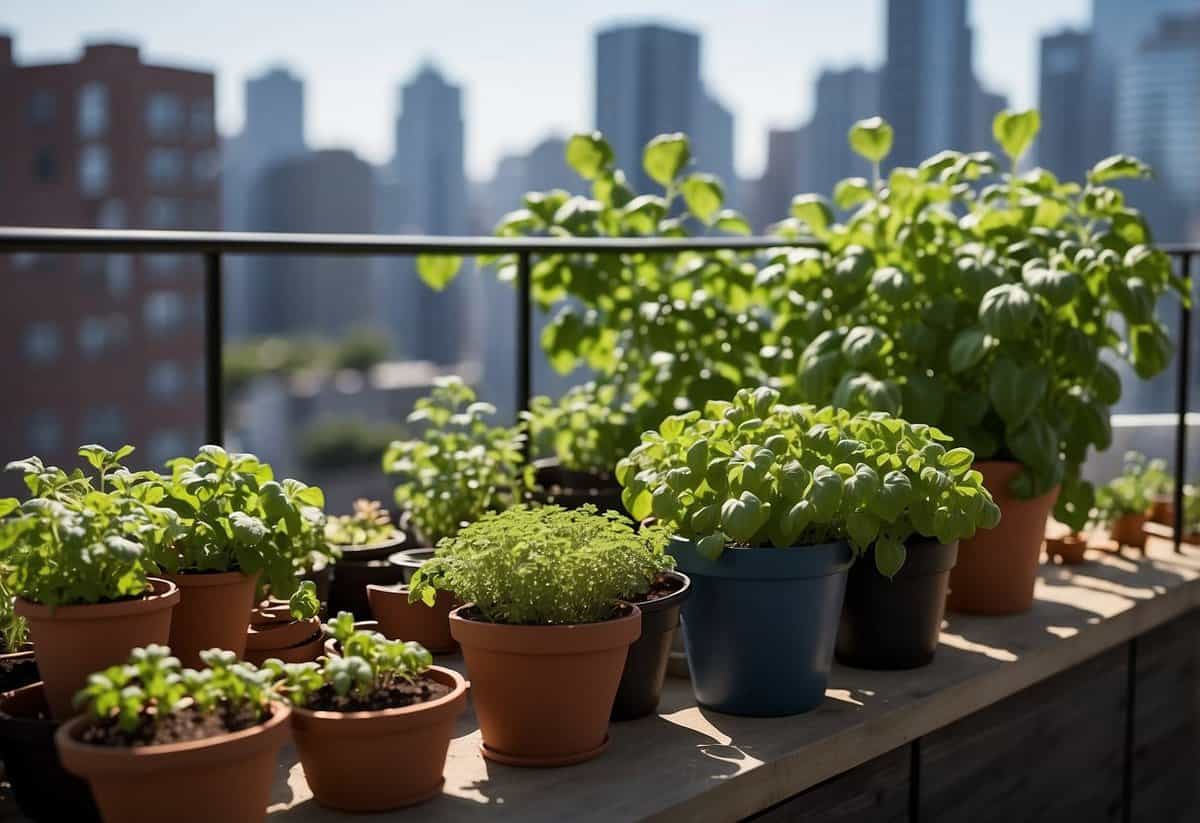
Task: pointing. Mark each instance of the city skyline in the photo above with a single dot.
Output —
(764, 73)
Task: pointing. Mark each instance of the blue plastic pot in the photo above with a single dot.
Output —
(761, 624)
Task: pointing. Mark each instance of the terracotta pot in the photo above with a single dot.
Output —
(401, 620)
(1163, 510)
(375, 761)
(302, 652)
(18, 669)
(226, 778)
(71, 642)
(543, 694)
(43, 789)
(213, 613)
(997, 568)
(1129, 530)
(410, 560)
(571, 489)
(1069, 549)
(281, 635)
(646, 664)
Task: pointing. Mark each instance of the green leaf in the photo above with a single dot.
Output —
(968, 349)
(1034, 443)
(871, 138)
(813, 210)
(589, 154)
(889, 557)
(862, 528)
(1016, 391)
(731, 222)
(1106, 384)
(894, 495)
(1057, 287)
(1118, 167)
(1151, 350)
(438, 270)
(1015, 131)
(665, 156)
(863, 344)
(743, 516)
(1007, 311)
(850, 192)
(703, 195)
(892, 284)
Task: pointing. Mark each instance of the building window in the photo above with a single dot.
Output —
(162, 213)
(111, 214)
(163, 311)
(40, 343)
(166, 444)
(104, 425)
(164, 380)
(42, 106)
(204, 215)
(98, 334)
(163, 266)
(93, 110)
(94, 171)
(118, 274)
(43, 432)
(206, 166)
(45, 169)
(164, 167)
(164, 115)
(202, 118)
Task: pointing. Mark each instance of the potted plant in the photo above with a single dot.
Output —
(769, 504)
(544, 634)
(372, 727)
(279, 630)
(984, 302)
(17, 664)
(365, 538)
(159, 742)
(585, 433)
(77, 556)
(1123, 504)
(239, 529)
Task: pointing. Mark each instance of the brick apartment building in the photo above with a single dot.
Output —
(104, 348)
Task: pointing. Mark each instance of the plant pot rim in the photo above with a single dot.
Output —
(362, 721)
(268, 637)
(408, 557)
(163, 594)
(765, 563)
(672, 600)
(926, 556)
(568, 638)
(19, 726)
(399, 538)
(199, 579)
(90, 759)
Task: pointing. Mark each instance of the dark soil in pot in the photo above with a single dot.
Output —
(571, 489)
(348, 593)
(646, 664)
(895, 624)
(43, 789)
(18, 669)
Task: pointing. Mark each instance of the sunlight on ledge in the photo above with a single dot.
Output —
(957, 641)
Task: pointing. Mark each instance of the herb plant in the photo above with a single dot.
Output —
(236, 517)
(130, 701)
(369, 523)
(81, 538)
(756, 472)
(975, 299)
(461, 467)
(370, 664)
(588, 429)
(1131, 492)
(547, 565)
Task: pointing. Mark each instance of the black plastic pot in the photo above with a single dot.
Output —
(409, 560)
(359, 567)
(572, 489)
(894, 624)
(43, 789)
(646, 663)
(18, 669)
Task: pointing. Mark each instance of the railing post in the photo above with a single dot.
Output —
(214, 420)
(524, 331)
(1181, 397)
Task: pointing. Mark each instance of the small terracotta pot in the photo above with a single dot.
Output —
(1163, 510)
(281, 635)
(997, 568)
(401, 620)
(1069, 549)
(375, 761)
(1129, 530)
(303, 652)
(71, 642)
(543, 694)
(213, 613)
(18, 669)
(43, 789)
(226, 778)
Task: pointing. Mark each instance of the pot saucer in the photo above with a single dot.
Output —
(541, 762)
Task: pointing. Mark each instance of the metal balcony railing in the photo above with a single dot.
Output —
(213, 245)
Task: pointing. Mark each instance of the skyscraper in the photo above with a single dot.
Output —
(768, 198)
(112, 142)
(842, 98)
(928, 85)
(648, 83)
(1062, 89)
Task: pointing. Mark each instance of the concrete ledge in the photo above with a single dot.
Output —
(689, 763)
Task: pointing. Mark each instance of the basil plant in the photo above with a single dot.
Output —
(984, 301)
(758, 472)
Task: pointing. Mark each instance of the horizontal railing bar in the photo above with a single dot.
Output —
(205, 242)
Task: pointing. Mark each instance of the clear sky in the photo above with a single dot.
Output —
(525, 65)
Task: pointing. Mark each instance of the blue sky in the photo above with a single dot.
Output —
(525, 65)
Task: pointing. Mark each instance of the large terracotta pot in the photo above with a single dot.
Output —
(375, 761)
(401, 620)
(213, 613)
(1070, 549)
(226, 778)
(543, 694)
(71, 642)
(1129, 530)
(997, 568)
